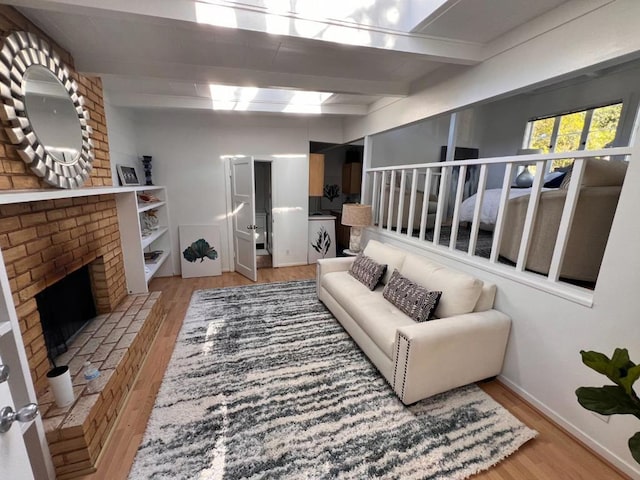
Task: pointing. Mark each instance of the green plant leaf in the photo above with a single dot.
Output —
(607, 400)
(600, 363)
(634, 446)
(627, 381)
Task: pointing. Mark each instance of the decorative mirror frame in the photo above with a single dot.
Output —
(20, 51)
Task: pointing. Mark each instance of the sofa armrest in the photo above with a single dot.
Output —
(438, 355)
(328, 265)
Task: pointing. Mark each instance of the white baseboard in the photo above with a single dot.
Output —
(293, 264)
(605, 453)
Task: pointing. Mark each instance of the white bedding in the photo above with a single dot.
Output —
(490, 204)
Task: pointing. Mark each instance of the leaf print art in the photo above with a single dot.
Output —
(322, 243)
(199, 250)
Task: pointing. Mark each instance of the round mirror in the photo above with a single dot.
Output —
(52, 114)
(43, 112)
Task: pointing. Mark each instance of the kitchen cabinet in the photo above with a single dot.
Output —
(351, 178)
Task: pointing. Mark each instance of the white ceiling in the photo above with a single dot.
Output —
(166, 53)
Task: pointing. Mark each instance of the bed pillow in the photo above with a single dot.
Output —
(412, 299)
(553, 179)
(566, 180)
(367, 271)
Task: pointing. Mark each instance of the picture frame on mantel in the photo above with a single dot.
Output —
(127, 175)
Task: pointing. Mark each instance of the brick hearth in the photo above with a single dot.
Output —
(117, 344)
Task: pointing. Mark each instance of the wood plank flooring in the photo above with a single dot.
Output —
(552, 455)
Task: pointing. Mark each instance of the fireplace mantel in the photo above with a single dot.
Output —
(25, 196)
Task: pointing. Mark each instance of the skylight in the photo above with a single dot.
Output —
(341, 21)
(227, 97)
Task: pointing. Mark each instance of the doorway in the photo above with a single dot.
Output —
(263, 211)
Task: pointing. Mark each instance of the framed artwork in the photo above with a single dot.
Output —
(127, 175)
(199, 247)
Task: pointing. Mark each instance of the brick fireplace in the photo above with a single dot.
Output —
(44, 241)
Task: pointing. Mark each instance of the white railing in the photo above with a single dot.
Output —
(413, 185)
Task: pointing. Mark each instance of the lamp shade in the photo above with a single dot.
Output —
(356, 215)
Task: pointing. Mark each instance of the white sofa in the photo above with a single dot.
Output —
(466, 342)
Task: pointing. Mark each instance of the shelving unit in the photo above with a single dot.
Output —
(152, 268)
(151, 206)
(155, 235)
(134, 245)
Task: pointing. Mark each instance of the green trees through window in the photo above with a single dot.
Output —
(590, 129)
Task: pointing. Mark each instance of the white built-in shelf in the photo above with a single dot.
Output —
(143, 207)
(148, 240)
(5, 327)
(134, 245)
(21, 196)
(153, 267)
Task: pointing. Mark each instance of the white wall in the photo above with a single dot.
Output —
(416, 143)
(503, 122)
(186, 149)
(121, 129)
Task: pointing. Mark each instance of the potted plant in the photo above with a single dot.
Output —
(615, 399)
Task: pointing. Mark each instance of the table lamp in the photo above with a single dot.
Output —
(356, 216)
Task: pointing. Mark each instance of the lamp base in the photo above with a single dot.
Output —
(354, 239)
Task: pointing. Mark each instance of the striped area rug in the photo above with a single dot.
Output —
(264, 383)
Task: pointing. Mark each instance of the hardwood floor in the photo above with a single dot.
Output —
(552, 455)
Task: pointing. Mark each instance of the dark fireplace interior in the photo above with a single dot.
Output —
(65, 307)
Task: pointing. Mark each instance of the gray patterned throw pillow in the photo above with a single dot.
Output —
(367, 271)
(414, 300)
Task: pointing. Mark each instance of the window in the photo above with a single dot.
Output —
(591, 129)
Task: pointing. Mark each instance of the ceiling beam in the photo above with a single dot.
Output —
(92, 66)
(137, 100)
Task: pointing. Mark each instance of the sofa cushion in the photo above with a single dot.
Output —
(367, 271)
(386, 255)
(487, 298)
(414, 300)
(377, 317)
(460, 292)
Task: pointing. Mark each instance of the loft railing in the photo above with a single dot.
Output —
(413, 185)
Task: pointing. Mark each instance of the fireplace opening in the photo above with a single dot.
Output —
(65, 307)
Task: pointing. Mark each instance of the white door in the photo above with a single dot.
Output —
(14, 461)
(244, 216)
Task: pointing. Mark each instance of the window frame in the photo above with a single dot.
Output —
(586, 127)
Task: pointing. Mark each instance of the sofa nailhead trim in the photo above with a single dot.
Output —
(406, 362)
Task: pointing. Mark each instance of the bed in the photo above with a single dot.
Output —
(490, 205)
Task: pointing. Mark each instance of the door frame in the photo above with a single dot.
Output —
(271, 227)
(275, 258)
